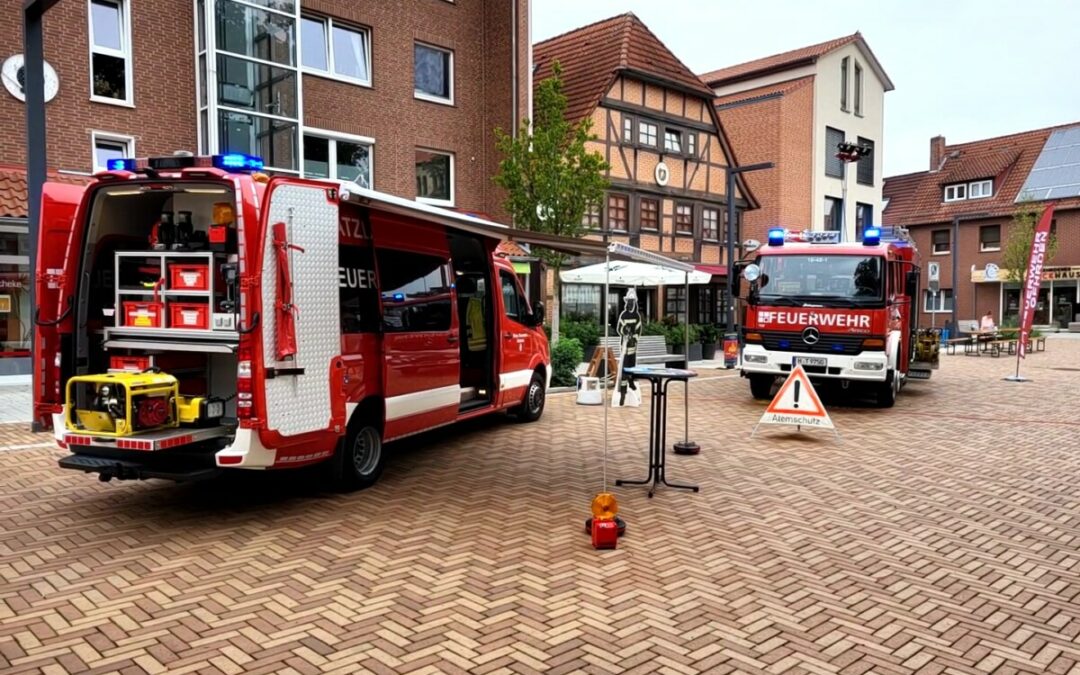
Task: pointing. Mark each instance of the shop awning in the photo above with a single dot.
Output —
(624, 273)
(714, 270)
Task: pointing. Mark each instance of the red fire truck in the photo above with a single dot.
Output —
(196, 315)
(843, 311)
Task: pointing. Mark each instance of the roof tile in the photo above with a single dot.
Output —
(776, 61)
(918, 198)
(592, 55)
(13, 193)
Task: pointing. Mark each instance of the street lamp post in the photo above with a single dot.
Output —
(847, 153)
(729, 327)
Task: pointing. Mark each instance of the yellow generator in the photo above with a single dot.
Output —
(125, 404)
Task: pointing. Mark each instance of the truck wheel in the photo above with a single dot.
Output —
(359, 458)
(761, 386)
(887, 390)
(532, 407)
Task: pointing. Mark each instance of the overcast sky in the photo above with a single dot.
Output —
(965, 69)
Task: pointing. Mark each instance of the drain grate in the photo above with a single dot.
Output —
(1070, 370)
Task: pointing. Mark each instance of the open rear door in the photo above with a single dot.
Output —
(300, 309)
(58, 253)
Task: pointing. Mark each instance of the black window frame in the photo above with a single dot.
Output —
(675, 219)
(641, 210)
(987, 228)
(834, 214)
(716, 223)
(858, 89)
(861, 222)
(864, 170)
(844, 63)
(625, 208)
(934, 242)
(678, 136)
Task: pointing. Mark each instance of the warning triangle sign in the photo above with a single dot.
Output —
(797, 403)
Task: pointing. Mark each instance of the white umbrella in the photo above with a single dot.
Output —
(628, 273)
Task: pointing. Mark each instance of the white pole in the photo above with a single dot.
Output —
(607, 275)
(686, 398)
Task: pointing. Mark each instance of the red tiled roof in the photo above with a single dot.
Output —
(512, 249)
(591, 57)
(13, 194)
(918, 198)
(777, 61)
(763, 92)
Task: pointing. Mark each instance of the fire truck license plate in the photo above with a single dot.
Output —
(811, 361)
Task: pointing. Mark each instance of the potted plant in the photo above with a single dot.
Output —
(677, 340)
(710, 338)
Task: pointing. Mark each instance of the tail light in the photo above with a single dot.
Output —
(245, 404)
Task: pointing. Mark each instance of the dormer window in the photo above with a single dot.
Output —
(974, 190)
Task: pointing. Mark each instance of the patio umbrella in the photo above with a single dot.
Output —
(632, 273)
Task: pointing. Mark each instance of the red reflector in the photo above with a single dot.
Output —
(218, 234)
(62, 444)
(229, 459)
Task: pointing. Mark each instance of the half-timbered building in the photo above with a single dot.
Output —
(657, 129)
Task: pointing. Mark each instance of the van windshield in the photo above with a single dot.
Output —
(825, 280)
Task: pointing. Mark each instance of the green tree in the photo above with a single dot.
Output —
(550, 177)
(1017, 251)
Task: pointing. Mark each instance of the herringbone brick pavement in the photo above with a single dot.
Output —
(937, 537)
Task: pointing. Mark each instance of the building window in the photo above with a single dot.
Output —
(684, 219)
(110, 51)
(844, 83)
(336, 49)
(981, 189)
(580, 300)
(675, 301)
(647, 133)
(710, 224)
(650, 215)
(252, 72)
(940, 239)
(628, 129)
(434, 177)
(338, 158)
(865, 172)
(591, 219)
(691, 143)
(672, 140)
(864, 218)
(434, 73)
(858, 89)
(990, 238)
(938, 303)
(618, 212)
(834, 166)
(833, 208)
(954, 193)
(111, 146)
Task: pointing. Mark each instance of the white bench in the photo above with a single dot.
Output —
(650, 349)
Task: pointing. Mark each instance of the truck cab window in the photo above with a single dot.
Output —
(517, 307)
(415, 291)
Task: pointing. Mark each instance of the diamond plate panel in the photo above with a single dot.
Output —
(298, 404)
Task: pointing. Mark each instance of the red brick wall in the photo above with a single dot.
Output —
(163, 119)
(796, 165)
(975, 299)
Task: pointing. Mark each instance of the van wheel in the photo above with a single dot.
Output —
(359, 458)
(887, 390)
(532, 407)
(761, 386)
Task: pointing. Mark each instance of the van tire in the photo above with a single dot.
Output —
(359, 458)
(761, 386)
(532, 407)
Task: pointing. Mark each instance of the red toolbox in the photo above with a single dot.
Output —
(189, 315)
(143, 314)
(189, 277)
(134, 364)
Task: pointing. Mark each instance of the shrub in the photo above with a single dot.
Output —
(586, 331)
(677, 334)
(566, 355)
(654, 328)
(710, 334)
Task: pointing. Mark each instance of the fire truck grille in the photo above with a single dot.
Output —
(784, 341)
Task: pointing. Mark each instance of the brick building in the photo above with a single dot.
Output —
(656, 128)
(401, 96)
(960, 214)
(793, 109)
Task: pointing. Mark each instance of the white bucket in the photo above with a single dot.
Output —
(588, 391)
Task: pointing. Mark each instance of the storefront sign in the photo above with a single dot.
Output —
(1061, 273)
(995, 274)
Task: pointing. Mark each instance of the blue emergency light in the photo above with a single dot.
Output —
(776, 236)
(871, 236)
(120, 164)
(236, 161)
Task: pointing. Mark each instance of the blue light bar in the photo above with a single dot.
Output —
(871, 236)
(120, 164)
(238, 162)
(776, 236)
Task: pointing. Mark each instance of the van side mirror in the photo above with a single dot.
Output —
(911, 284)
(736, 281)
(538, 314)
